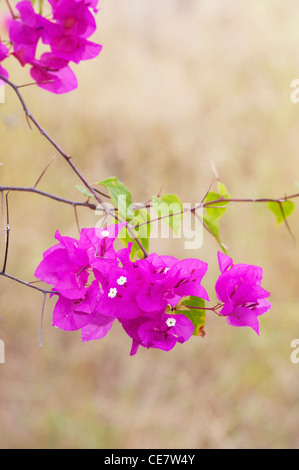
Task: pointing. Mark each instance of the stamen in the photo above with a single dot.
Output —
(170, 322)
(121, 280)
(112, 292)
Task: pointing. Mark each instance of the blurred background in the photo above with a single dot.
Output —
(178, 85)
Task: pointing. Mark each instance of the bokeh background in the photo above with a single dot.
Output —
(179, 84)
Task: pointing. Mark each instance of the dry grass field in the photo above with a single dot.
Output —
(178, 85)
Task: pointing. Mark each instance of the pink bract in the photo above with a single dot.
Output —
(239, 288)
(156, 333)
(4, 53)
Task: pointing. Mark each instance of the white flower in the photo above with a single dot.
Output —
(121, 280)
(112, 292)
(105, 233)
(170, 322)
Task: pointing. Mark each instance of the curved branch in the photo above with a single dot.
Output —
(67, 157)
(44, 291)
(30, 189)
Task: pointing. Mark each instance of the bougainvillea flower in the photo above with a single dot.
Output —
(73, 314)
(89, 3)
(53, 74)
(239, 288)
(162, 332)
(75, 18)
(168, 280)
(74, 48)
(73, 22)
(97, 327)
(26, 31)
(4, 53)
(98, 242)
(65, 267)
(120, 287)
(191, 272)
(155, 274)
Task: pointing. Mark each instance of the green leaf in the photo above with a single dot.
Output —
(120, 196)
(281, 210)
(166, 206)
(222, 190)
(213, 212)
(84, 191)
(212, 225)
(216, 211)
(144, 231)
(196, 315)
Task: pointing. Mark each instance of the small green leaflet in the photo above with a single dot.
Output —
(222, 191)
(281, 210)
(120, 196)
(213, 212)
(141, 233)
(166, 206)
(84, 190)
(122, 199)
(196, 315)
(213, 226)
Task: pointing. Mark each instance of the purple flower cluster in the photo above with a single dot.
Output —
(66, 35)
(239, 288)
(97, 285)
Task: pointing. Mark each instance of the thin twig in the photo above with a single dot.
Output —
(13, 278)
(286, 222)
(10, 9)
(209, 189)
(130, 230)
(41, 320)
(160, 190)
(30, 189)
(100, 192)
(44, 171)
(76, 218)
(66, 157)
(6, 235)
(2, 210)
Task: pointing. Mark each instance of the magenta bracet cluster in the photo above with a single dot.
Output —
(97, 285)
(66, 35)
